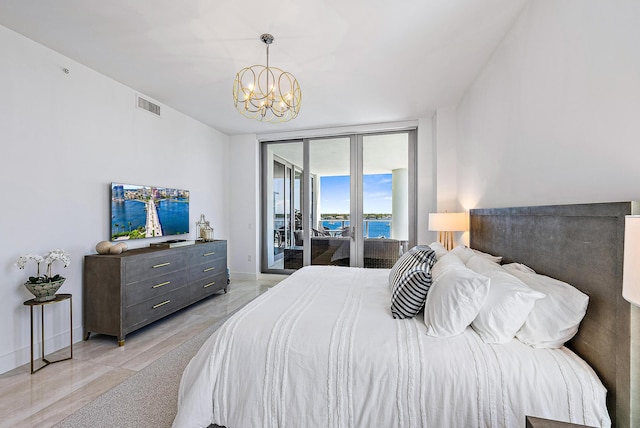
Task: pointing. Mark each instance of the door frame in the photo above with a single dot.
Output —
(356, 198)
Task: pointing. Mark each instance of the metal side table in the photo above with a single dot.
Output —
(59, 298)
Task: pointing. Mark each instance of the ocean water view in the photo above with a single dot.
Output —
(131, 215)
(371, 228)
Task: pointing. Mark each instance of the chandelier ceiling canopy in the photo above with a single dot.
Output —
(267, 93)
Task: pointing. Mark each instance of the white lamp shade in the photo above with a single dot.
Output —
(448, 222)
(631, 267)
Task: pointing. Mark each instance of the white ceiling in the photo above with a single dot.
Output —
(357, 61)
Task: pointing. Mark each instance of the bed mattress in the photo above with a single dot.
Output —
(322, 349)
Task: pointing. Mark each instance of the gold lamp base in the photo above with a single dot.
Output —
(446, 239)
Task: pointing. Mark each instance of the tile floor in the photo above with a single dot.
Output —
(99, 364)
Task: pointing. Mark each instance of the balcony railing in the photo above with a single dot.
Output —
(370, 228)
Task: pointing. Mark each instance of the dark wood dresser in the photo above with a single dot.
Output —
(124, 292)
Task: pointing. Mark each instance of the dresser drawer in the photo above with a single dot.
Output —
(154, 266)
(211, 268)
(140, 291)
(148, 311)
(205, 253)
(208, 285)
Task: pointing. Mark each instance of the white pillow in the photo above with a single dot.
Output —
(506, 308)
(446, 262)
(454, 300)
(496, 259)
(481, 264)
(465, 253)
(439, 249)
(517, 267)
(554, 319)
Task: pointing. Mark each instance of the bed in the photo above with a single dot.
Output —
(581, 244)
(321, 348)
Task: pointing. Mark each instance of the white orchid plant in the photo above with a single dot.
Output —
(49, 259)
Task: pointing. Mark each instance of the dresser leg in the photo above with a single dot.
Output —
(86, 335)
(121, 342)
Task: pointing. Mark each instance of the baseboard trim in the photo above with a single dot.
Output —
(52, 344)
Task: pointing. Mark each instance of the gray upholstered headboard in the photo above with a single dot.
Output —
(582, 245)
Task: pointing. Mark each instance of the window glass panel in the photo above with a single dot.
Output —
(385, 202)
(330, 163)
(284, 200)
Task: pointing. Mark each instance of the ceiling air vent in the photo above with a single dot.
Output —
(148, 106)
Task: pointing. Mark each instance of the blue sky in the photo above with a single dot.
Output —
(334, 193)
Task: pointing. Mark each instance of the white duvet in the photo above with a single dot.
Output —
(322, 350)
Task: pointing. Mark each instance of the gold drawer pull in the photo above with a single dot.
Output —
(161, 284)
(209, 254)
(161, 265)
(208, 269)
(161, 304)
(209, 284)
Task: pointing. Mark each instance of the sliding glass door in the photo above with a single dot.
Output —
(282, 188)
(343, 201)
(330, 161)
(385, 198)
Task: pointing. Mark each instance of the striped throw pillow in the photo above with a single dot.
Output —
(410, 279)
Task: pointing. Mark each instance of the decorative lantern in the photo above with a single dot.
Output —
(204, 231)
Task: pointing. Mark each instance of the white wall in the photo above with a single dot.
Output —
(427, 179)
(64, 138)
(553, 117)
(446, 136)
(446, 158)
(244, 207)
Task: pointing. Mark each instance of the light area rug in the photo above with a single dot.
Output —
(149, 398)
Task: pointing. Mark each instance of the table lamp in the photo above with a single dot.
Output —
(631, 266)
(447, 223)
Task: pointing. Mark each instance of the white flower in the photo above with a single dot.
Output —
(58, 254)
(49, 259)
(22, 260)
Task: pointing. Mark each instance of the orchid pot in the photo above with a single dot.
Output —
(44, 291)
